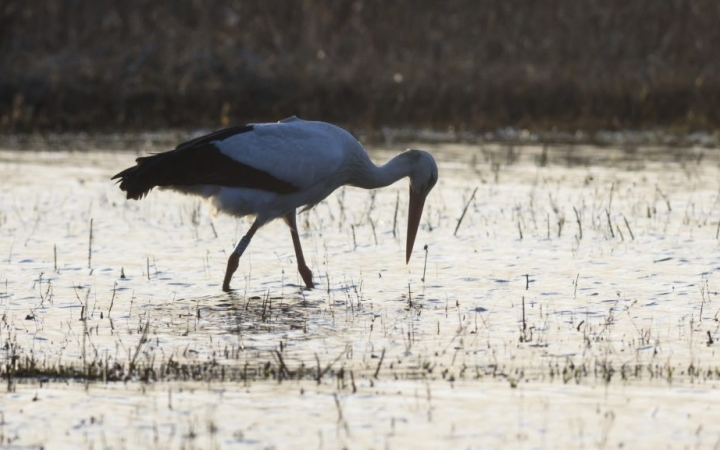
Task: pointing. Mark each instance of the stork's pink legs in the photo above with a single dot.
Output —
(305, 272)
(234, 258)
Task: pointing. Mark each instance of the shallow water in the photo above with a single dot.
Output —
(612, 253)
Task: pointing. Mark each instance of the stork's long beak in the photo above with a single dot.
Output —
(415, 209)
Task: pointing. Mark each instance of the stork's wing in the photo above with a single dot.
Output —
(301, 153)
(198, 162)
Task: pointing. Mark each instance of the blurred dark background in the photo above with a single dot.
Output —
(470, 64)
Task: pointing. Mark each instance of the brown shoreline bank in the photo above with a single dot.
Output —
(475, 66)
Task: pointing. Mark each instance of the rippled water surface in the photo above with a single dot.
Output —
(573, 305)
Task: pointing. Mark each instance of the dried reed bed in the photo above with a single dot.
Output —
(544, 66)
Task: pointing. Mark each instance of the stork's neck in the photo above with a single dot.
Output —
(373, 177)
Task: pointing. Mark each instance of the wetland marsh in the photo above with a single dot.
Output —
(558, 297)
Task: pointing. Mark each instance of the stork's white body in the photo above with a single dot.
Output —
(316, 157)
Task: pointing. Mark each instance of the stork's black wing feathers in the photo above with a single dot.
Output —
(218, 135)
(197, 162)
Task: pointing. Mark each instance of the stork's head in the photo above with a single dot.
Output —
(423, 176)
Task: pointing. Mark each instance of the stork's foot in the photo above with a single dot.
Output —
(232, 265)
(307, 276)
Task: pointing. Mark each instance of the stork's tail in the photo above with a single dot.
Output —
(138, 180)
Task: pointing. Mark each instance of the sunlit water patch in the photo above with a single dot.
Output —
(541, 277)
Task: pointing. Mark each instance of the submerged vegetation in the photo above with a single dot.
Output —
(97, 307)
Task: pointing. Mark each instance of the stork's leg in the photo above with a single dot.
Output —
(234, 259)
(305, 272)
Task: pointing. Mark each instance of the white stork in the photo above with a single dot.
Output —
(271, 169)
